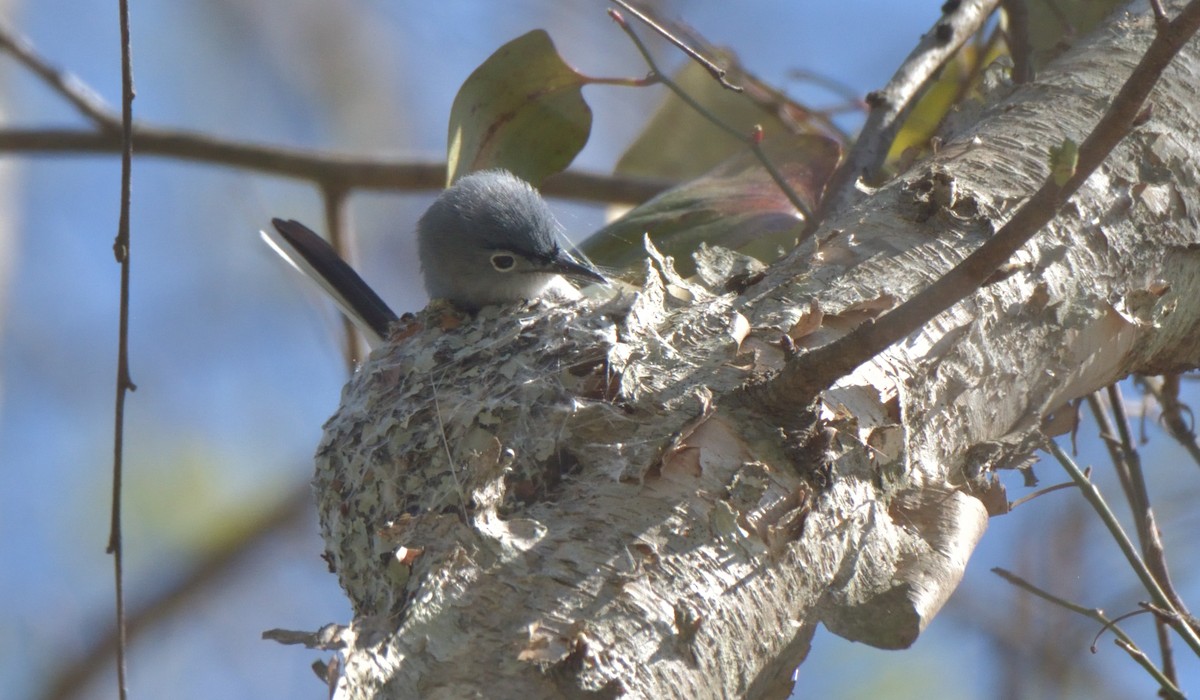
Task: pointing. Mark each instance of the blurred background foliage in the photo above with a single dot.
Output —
(238, 363)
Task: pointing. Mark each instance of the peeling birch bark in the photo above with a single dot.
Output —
(581, 501)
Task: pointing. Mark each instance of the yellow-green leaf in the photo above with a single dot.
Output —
(1063, 159)
(521, 110)
(937, 101)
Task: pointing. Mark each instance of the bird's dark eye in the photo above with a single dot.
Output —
(503, 262)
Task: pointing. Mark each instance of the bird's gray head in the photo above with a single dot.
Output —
(491, 239)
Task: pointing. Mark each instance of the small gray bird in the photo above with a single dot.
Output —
(488, 239)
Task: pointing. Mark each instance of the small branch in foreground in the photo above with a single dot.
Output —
(1160, 15)
(325, 169)
(848, 94)
(1169, 690)
(1039, 493)
(1122, 640)
(806, 375)
(1108, 436)
(1139, 497)
(121, 249)
(1152, 546)
(891, 105)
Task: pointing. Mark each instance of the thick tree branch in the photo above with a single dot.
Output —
(665, 538)
(804, 376)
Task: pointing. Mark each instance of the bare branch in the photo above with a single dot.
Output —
(1178, 617)
(752, 141)
(322, 167)
(121, 248)
(1170, 689)
(65, 84)
(1160, 15)
(718, 73)
(1128, 467)
(891, 105)
(1165, 390)
(292, 511)
(331, 171)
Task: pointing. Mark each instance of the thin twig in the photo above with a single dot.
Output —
(1139, 497)
(1153, 552)
(1092, 613)
(121, 248)
(717, 72)
(294, 511)
(795, 118)
(458, 485)
(806, 375)
(1108, 436)
(1127, 465)
(342, 243)
(751, 141)
(1040, 492)
(65, 84)
(1092, 494)
(621, 82)
(833, 85)
(1165, 390)
(1170, 688)
(849, 107)
(892, 104)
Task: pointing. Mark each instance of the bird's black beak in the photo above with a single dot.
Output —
(563, 264)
